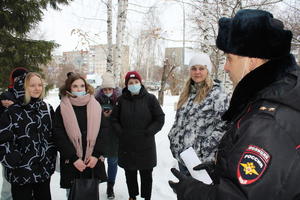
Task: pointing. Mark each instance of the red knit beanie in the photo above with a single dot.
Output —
(132, 74)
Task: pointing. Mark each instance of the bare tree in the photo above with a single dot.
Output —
(205, 17)
(168, 68)
(291, 19)
(148, 45)
(109, 63)
(121, 24)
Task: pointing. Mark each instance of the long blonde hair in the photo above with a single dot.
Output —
(201, 93)
(26, 86)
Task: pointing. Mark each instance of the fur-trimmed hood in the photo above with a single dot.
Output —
(277, 80)
(254, 33)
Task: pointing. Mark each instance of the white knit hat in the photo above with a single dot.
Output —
(201, 59)
(108, 80)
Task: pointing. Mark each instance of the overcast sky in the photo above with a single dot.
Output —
(90, 16)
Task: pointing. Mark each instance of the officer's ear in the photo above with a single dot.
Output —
(256, 62)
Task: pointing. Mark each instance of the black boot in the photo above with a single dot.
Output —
(110, 190)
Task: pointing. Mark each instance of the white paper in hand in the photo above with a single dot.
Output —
(191, 160)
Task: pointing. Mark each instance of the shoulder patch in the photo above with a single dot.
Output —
(252, 165)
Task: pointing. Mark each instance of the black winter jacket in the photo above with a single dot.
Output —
(29, 153)
(6, 95)
(109, 137)
(259, 156)
(137, 119)
(67, 151)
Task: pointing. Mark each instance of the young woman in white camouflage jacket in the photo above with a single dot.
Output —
(198, 122)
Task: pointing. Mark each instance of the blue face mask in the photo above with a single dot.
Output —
(134, 89)
(79, 93)
(109, 94)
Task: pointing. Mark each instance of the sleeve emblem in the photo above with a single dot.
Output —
(252, 165)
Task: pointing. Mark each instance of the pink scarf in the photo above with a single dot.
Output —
(71, 123)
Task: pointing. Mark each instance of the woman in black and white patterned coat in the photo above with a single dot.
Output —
(198, 121)
(27, 150)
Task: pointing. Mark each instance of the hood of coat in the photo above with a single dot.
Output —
(103, 99)
(278, 80)
(19, 71)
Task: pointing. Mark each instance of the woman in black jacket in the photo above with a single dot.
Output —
(137, 117)
(28, 153)
(107, 97)
(76, 130)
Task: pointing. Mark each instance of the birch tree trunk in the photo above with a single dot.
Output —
(109, 59)
(121, 24)
(167, 71)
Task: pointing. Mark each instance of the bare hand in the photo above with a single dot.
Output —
(91, 162)
(107, 113)
(7, 103)
(79, 164)
(102, 158)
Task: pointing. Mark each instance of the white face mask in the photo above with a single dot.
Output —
(135, 88)
(109, 94)
(79, 94)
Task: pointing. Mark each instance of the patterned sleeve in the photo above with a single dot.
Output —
(9, 157)
(218, 126)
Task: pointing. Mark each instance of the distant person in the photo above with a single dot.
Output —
(137, 117)
(198, 122)
(28, 154)
(7, 99)
(70, 74)
(77, 132)
(107, 97)
(259, 155)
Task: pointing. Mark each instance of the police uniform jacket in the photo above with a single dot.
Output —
(259, 156)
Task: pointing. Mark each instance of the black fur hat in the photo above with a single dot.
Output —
(254, 33)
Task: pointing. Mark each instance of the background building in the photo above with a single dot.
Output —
(97, 55)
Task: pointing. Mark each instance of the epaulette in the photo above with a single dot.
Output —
(267, 107)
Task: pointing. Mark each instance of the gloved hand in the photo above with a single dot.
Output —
(184, 183)
(210, 167)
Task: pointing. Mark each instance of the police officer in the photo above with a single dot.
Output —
(259, 156)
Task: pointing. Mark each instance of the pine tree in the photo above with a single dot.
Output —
(18, 18)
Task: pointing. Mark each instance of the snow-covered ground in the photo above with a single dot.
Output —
(161, 173)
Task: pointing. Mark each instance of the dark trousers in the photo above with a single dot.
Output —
(112, 169)
(146, 183)
(36, 191)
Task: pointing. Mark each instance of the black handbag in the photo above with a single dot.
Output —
(85, 188)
